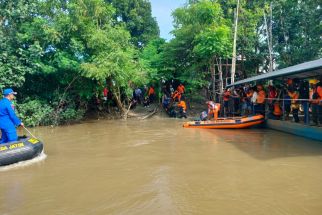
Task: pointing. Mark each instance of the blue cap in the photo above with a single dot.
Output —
(8, 92)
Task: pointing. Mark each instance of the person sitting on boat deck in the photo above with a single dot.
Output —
(8, 118)
(182, 109)
(294, 103)
(260, 101)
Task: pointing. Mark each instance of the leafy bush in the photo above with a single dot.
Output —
(37, 112)
(34, 113)
(69, 115)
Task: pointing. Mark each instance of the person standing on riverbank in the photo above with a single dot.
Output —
(8, 118)
(151, 94)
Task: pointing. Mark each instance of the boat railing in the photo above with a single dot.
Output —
(306, 109)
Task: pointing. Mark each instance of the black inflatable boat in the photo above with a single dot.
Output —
(25, 148)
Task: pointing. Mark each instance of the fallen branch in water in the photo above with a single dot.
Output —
(150, 114)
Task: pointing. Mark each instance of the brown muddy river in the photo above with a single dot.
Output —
(157, 167)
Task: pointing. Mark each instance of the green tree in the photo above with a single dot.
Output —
(137, 17)
(297, 30)
(18, 54)
(201, 33)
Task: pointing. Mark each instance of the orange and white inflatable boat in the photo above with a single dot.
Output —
(235, 122)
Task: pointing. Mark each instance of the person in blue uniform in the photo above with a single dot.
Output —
(8, 118)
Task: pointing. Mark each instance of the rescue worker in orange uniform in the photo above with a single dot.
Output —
(181, 89)
(176, 96)
(151, 94)
(213, 110)
(182, 109)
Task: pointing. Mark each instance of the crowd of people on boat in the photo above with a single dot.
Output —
(294, 97)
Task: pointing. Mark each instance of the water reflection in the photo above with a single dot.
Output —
(269, 144)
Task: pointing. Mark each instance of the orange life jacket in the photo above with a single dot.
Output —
(294, 102)
(294, 96)
(319, 91)
(176, 95)
(151, 91)
(277, 109)
(180, 88)
(183, 105)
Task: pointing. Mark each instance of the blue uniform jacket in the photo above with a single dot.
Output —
(8, 118)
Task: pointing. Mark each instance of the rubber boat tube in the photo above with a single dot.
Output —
(25, 148)
(235, 122)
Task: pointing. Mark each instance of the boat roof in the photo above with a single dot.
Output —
(304, 70)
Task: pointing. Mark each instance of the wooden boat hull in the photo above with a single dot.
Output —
(227, 123)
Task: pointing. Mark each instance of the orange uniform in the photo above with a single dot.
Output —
(176, 95)
(151, 91)
(277, 109)
(182, 105)
(319, 92)
(181, 89)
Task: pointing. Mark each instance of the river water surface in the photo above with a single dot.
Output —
(157, 167)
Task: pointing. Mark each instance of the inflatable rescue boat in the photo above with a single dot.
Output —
(25, 148)
(235, 122)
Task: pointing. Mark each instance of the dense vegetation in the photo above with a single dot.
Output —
(59, 55)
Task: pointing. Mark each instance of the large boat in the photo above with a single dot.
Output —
(234, 122)
(25, 148)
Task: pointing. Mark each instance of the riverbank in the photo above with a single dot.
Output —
(140, 112)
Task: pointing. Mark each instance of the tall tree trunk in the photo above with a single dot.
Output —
(269, 44)
(220, 74)
(213, 77)
(233, 67)
(116, 92)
